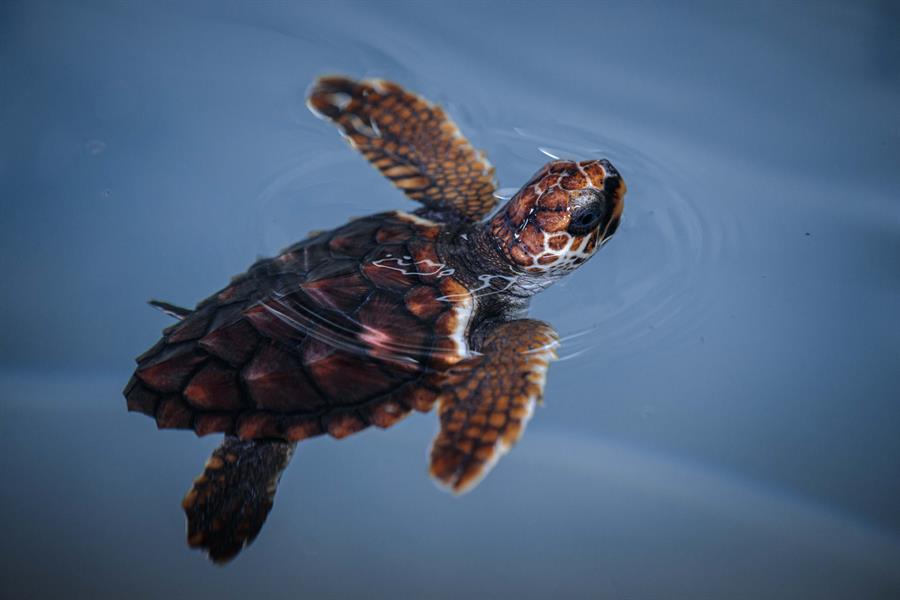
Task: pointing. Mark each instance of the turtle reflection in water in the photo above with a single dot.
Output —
(387, 314)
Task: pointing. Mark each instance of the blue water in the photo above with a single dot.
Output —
(724, 419)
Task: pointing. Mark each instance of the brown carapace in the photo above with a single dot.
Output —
(388, 314)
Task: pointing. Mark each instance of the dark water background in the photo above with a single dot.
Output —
(724, 423)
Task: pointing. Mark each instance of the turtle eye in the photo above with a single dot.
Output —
(586, 219)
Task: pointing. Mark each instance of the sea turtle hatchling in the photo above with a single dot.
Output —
(387, 314)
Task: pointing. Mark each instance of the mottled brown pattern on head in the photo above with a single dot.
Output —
(557, 242)
(549, 181)
(595, 171)
(559, 166)
(554, 199)
(544, 206)
(532, 238)
(520, 256)
(552, 221)
(574, 181)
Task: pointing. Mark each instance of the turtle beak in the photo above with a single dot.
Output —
(614, 189)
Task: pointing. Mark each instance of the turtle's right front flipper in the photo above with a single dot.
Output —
(487, 399)
(230, 500)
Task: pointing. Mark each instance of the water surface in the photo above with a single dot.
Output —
(724, 422)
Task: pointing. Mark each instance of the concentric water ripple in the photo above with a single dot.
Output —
(646, 288)
(648, 285)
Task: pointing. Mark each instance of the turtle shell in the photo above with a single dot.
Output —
(344, 330)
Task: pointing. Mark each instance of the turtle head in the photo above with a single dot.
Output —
(561, 217)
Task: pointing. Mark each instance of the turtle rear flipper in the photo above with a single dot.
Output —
(411, 141)
(229, 502)
(486, 401)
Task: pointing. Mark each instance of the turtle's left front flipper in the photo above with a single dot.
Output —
(230, 500)
(486, 401)
(411, 141)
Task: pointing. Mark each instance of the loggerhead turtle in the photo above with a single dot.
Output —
(387, 314)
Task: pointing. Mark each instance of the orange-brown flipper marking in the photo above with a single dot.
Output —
(411, 141)
(486, 401)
